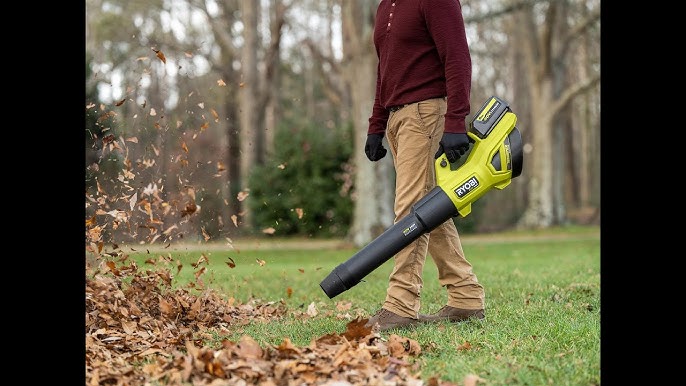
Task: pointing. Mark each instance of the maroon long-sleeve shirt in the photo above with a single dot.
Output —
(423, 53)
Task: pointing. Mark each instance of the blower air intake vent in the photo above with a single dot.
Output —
(516, 151)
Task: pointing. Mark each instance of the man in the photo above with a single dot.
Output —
(422, 99)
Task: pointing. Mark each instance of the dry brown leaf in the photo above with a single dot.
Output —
(355, 329)
(129, 326)
(343, 306)
(242, 195)
(147, 208)
(189, 209)
(119, 214)
(199, 272)
(215, 115)
(190, 191)
(248, 348)
(261, 262)
(396, 349)
(221, 83)
(112, 267)
(299, 211)
(400, 347)
(269, 231)
(121, 102)
(170, 229)
(133, 200)
(165, 307)
(312, 310)
(464, 346)
(165, 276)
(184, 146)
(95, 234)
(160, 55)
(109, 138)
(234, 219)
(472, 380)
(287, 348)
(109, 114)
(100, 189)
(202, 259)
(231, 263)
(289, 292)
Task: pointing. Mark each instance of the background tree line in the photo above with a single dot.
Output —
(207, 120)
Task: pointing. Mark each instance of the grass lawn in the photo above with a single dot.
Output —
(542, 321)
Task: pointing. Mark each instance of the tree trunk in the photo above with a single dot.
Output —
(546, 103)
(233, 158)
(273, 77)
(249, 122)
(539, 211)
(374, 185)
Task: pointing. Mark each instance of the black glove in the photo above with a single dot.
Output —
(453, 145)
(373, 148)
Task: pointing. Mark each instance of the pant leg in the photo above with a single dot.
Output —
(413, 133)
(454, 271)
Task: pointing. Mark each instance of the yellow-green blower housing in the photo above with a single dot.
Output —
(494, 160)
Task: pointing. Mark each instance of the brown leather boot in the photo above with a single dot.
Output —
(385, 320)
(452, 314)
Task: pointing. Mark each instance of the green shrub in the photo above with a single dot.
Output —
(303, 188)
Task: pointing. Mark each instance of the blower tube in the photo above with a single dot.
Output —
(427, 214)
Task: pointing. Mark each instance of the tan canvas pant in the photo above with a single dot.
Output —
(413, 135)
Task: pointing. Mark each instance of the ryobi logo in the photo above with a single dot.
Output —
(467, 187)
(488, 110)
(409, 229)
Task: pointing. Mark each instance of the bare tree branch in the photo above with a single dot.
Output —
(545, 45)
(568, 94)
(509, 8)
(271, 55)
(579, 29)
(221, 31)
(333, 92)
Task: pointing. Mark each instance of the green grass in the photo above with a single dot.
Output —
(542, 323)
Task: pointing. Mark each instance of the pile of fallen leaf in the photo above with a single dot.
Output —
(140, 331)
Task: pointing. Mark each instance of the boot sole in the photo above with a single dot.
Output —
(455, 319)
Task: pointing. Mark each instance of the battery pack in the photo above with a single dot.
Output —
(488, 116)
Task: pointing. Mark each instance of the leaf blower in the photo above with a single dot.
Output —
(495, 158)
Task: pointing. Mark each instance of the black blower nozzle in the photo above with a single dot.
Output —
(427, 214)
